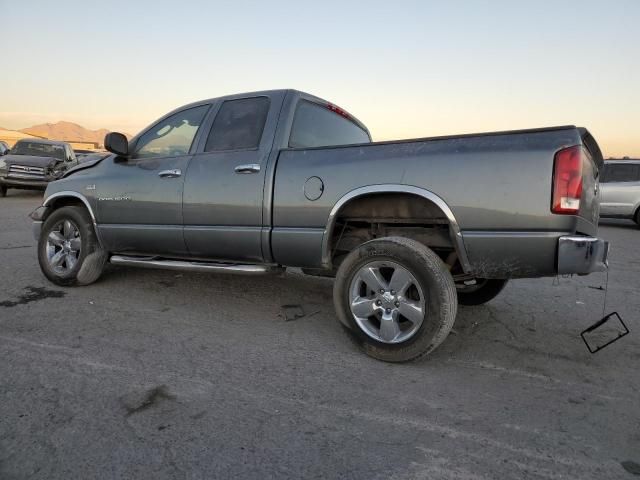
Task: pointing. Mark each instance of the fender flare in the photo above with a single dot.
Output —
(454, 227)
(83, 199)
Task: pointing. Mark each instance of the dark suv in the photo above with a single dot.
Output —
(33, 163)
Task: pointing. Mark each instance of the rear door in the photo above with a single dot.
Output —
(620, 189)
(223, 191)
(140, 198)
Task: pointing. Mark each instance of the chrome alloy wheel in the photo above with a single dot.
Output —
(63, 247)
(387, 302)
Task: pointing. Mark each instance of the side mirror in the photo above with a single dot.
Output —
(117, 143)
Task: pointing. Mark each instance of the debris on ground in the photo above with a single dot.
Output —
(292, 312)
(631, 467)
(138, 401)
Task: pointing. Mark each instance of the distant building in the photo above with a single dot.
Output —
(80, 145)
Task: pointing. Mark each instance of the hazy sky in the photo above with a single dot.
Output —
(405, 68)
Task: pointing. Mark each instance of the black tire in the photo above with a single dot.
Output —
(3, 191)
(637, 217)
(91, 258)
(434, 280)
(486, 290)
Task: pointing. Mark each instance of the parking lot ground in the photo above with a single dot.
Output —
(156, 374)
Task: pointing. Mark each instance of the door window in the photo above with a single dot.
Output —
(172, 136)
(238, 125)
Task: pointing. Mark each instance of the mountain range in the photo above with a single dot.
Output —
(68, 131)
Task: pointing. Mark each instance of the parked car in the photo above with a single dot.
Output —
(620, 185)
(4, 148)
(256, 182)
(33, 163)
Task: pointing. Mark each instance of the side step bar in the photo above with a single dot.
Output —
(154, 262)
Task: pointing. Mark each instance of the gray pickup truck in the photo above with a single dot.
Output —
(257, 182)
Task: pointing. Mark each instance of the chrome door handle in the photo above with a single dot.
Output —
(170, 173)
(249, 168)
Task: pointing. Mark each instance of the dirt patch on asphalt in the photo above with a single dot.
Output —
(33, 294)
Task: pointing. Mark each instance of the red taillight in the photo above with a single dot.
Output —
(337, 110)
(567, 181)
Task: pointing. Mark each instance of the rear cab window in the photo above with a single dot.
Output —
(316, 125)
(619, 172)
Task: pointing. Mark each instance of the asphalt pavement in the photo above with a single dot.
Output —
(157, 375)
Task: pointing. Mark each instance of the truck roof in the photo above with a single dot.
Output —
(253, 94)
(43, 140)
(622, 160)
(268, 93)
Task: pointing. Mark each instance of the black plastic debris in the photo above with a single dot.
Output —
(631, 467)
(292, 312)
(604, 332)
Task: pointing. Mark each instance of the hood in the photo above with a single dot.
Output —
(87, 163)
(30, 160)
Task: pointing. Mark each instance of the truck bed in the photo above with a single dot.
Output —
(497, 185)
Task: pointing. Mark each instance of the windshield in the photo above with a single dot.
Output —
(38, 149)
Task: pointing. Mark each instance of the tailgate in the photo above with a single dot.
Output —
(592, 165)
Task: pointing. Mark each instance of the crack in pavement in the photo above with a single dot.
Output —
(14, 247)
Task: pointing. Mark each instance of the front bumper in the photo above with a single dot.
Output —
(38, 216)
(582, 255)
(13, 182)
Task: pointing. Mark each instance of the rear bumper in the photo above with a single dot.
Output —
(582, 255)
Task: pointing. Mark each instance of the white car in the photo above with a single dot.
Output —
(620, 189)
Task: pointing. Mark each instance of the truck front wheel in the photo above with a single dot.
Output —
(3, 191)
(68, 250)
(396, 297)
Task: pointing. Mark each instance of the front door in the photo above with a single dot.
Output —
(140, 198)
(223, 190)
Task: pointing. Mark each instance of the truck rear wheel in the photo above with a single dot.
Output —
(483, 291)
(68, 249)
(396, 297)
(3, 191)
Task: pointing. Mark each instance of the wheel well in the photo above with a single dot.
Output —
(60, 202)
(379, 215)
